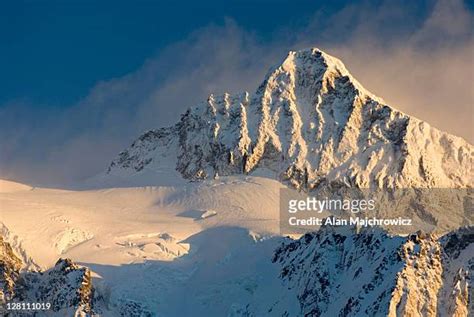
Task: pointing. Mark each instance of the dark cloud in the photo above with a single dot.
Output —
(424, 68)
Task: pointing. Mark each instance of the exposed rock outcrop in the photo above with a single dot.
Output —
(342, 272)
(66, 287)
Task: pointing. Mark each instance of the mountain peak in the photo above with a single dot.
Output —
(315, 62)
(313, 56)
(310, 123)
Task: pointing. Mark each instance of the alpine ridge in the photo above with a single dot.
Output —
(310, 123)
(342, 272)
(66, 287)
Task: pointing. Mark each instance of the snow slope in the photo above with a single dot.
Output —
(149, 241)
(72, 221)
(9, 186)
(212, 248)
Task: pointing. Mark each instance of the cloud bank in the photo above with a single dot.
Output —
(422, 67)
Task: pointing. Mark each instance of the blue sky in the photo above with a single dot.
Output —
(55, 52)
(80, 80)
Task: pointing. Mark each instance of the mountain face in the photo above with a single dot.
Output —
(66, 287)
(311, 124)
(370, 273)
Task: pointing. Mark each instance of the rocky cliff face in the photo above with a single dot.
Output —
(66, 287)
(10, 266)
(341, 272)
(311, 123)
(457, 294)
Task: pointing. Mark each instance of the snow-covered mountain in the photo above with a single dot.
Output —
(341, 272)
(213, 246)
(66, 288)
(311, 124)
